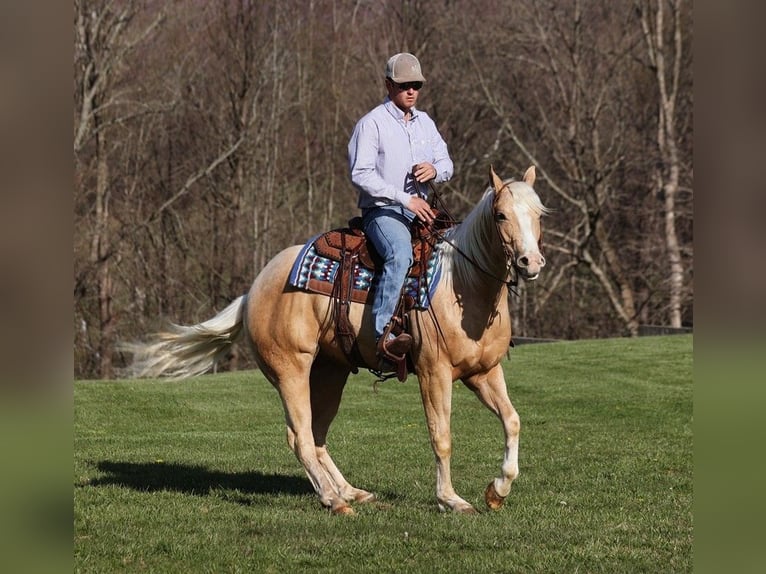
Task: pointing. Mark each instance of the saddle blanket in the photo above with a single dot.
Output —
(316, 273)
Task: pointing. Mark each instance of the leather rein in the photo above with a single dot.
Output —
(507, 250)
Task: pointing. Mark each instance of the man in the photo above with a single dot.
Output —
(395, 149)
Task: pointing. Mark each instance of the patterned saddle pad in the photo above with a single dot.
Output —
(315, 272)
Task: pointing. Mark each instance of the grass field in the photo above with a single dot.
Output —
(196, 476)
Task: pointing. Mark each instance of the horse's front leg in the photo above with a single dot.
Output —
(491, 390)
(436, 392)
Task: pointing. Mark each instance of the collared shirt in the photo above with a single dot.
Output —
(382, 150)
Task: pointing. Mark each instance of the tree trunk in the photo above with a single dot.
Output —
(667, 74)
(100, 259)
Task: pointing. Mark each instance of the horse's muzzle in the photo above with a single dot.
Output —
(529, 266)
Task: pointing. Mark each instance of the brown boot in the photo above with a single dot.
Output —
(394, 349)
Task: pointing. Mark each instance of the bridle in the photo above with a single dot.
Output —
(447, 221)
(510, 255)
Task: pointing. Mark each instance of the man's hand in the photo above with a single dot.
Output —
(423, 172)
(421, 209)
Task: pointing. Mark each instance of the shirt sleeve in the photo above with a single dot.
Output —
(442, 161)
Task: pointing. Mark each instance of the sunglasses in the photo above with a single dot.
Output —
(407, 85)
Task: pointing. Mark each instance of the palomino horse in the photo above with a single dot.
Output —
(464, 335)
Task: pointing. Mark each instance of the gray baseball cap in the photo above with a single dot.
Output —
(404, 67)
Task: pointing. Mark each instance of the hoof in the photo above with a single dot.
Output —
(365, 497)
(343, 510)
(492, 498)
(464, 508)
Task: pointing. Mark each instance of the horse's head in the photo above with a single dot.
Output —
(517, 210)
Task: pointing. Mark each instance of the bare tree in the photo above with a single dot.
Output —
(106, 33)
(569, 113)
(665, 50)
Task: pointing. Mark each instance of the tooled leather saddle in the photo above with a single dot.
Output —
(349, 247)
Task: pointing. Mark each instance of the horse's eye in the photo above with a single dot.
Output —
(500, 216)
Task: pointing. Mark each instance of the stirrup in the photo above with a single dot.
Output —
(392, 353)
(395, 349)
(388, 369)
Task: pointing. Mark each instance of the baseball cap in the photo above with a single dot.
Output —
(404, 67)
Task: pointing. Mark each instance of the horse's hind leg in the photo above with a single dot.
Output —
(491, 390)
(328, 380)
(293, 386)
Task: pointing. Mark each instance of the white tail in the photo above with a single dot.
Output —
(187, 351)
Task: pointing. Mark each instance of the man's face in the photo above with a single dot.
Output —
(403, 95)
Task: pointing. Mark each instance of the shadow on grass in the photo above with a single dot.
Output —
(198, 480)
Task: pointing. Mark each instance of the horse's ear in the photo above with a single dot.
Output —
(496, 182)
(529, 176)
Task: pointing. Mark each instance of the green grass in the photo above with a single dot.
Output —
(196, 476)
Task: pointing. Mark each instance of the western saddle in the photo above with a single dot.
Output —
(349, 246)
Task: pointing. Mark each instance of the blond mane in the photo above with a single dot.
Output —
(476, 236)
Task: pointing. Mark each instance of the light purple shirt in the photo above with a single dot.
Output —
(383, 149)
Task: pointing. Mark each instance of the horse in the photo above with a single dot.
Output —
(463, 336)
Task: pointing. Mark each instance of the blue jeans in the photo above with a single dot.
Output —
(388, 229)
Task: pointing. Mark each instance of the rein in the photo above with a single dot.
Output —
(437, 235)
(510, 283)
(513, 282)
